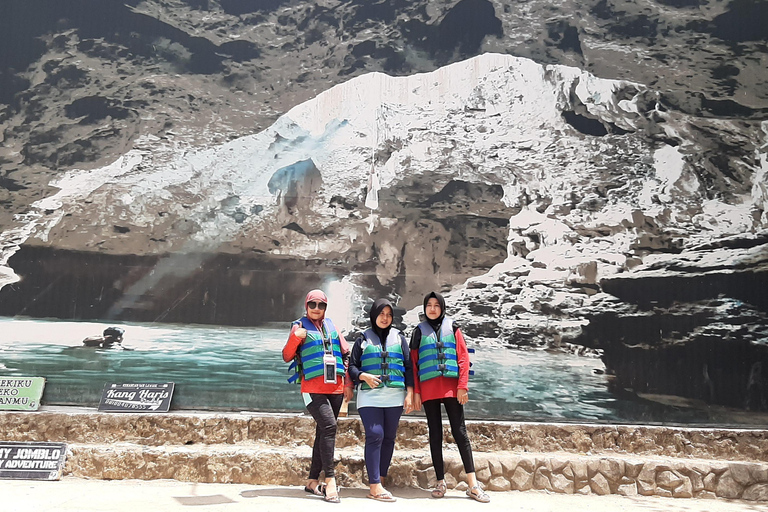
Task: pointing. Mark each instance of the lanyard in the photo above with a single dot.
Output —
(327, 341)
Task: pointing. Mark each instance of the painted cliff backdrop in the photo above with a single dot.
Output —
(586, 181)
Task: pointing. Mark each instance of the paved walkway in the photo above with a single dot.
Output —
(78, 495)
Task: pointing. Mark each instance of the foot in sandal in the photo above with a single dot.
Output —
(331, 491)
(439, 490)
(383, 496)
(317, 489)
(478, 494)
(330, 498)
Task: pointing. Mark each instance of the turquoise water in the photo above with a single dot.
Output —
(231, 368)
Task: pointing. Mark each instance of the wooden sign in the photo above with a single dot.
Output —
(136, 397)
(21, 393)
(32, 461)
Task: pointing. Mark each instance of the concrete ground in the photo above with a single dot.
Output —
(80, 495)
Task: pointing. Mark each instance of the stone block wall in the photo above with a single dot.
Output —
(276, 449)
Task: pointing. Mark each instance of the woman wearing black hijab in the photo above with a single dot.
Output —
(441, 370)
(381, 367)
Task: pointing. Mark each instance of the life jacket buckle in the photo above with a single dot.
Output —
(439, 344)
(384, 378)
(384, 354)
(384, 366)
(441, 367)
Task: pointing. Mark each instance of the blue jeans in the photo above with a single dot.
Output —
(380, 431)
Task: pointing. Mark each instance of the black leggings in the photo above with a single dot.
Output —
(459, 430)
(325, 409)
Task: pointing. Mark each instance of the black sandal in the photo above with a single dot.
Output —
(319, 490)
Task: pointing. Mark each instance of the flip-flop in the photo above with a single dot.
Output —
(384, 496)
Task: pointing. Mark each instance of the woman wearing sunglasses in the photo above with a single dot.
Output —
(381, 366)
(319, 353)
(441, 368)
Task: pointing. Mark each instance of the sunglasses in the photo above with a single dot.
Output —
(317, 305)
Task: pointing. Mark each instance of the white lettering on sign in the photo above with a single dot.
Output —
(37, 453)
(125, 395)
(31, 464)
(14, 400)
(152, 396)
(33, 458)
(14, 383)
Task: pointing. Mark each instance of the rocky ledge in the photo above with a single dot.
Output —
(497, 471)
(274, 449)
(690, 322)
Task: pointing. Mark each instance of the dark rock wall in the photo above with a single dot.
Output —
(204, 288)
(699, 332)
(458, 232)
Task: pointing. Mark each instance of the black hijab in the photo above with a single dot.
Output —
(376, 309)
(436, 323)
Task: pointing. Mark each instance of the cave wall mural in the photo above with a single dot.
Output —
(585, 183)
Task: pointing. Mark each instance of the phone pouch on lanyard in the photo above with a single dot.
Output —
(329, 368)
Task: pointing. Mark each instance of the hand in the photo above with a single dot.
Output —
(301, 333)
(370, 379)
(408, 404)
(348, 394)
(462, 396)
(417, 401)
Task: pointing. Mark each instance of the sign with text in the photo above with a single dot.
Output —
(136, 397)
(32, 461)
(21, 393)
